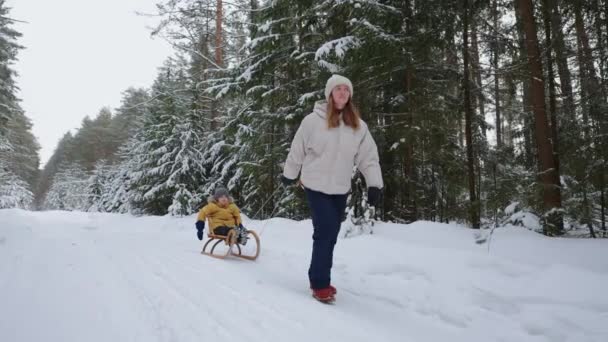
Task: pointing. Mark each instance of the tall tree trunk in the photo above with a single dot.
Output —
(495, 57)
(451, 60)
(253, 18)
(603, 201)
(587, 71)
(478, 100)
(585, 90)
(219, 58)
(468, 113)
(606, 19)
(273, 166)
(528, 133)
(551, 80)
(410, 170)
(602, 45)
(562, 62)
(510, 109)
(548, 173)
(409, 158)
(219, 44)
(600, 42)
(594, 94)
(498, 123)
(476, 73)
(587, 212)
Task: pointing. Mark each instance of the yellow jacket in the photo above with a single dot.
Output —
(219, 216)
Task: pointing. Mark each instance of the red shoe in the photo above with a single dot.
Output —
(333, 289)
(325, 295)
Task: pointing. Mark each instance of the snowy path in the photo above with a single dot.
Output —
(100, 277)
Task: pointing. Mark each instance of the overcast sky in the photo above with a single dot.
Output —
(80, 56)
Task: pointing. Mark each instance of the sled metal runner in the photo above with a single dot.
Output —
(234, 248)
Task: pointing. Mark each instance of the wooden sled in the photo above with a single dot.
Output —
(230, 241)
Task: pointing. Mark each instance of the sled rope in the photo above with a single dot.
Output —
(273, 210)
(266, 223)
(264, 204)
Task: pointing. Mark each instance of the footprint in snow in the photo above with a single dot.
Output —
(495, 303)
(403, 271)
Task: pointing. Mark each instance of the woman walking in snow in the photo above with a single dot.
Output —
(328, 143)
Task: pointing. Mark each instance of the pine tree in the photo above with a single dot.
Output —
(128, 118)
(60, 157)
(68, 190)
(22, 158)
(168, 150)
(118, 195)
(224, 111)
(97, 186)
(18, 146)
(94, 140)
(474, 205)
(272, 79)
(8, 55)
(14, 192)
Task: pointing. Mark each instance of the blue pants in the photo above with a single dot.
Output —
(327, 213)
(222, 230)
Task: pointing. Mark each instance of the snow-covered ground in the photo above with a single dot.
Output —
(106, 277)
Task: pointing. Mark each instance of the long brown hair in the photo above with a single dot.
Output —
(350, 115)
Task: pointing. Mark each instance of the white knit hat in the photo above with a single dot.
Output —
(334, 81)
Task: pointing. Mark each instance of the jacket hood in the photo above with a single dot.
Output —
(320, 108)
(211, 199)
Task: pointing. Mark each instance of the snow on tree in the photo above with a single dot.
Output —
(68, 189)
(97, 185)
(169, 169)
(117, 195)
(8, 55)
(225, 109)
(14, 192)
(18, 146)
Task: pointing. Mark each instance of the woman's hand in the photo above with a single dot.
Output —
(287, 181)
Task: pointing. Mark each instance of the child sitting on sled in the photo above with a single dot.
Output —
(223, 216)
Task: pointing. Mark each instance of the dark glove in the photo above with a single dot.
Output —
(373, 196)
(200, 226)
(287, 182)
(242, 237)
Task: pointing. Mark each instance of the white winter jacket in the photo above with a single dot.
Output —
(326, 156)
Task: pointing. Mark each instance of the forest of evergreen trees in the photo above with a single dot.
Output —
(485, 112)
(19, 160)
